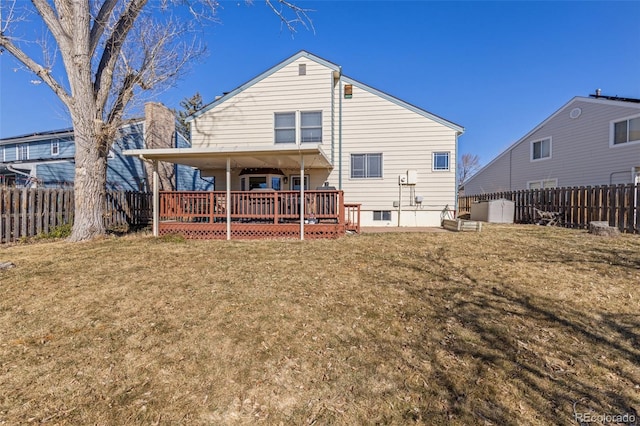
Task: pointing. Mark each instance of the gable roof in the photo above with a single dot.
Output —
(623, 102)
(335, 68)
(260, 77)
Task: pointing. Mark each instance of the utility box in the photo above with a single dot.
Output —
(412, 177)
(493, 211)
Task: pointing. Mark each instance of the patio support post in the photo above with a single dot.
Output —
(228, 198)
(156, 199)
(301, 197)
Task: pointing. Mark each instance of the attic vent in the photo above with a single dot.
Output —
(575, 113)
(302, 69)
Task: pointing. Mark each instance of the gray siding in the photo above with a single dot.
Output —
(581, 153)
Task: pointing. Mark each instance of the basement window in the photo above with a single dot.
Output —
(382, 215)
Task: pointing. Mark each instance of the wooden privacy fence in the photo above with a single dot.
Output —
(617, 204)
(29, 212)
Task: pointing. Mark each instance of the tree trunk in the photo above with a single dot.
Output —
(90, 180)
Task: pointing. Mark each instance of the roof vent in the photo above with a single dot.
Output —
(302, 69)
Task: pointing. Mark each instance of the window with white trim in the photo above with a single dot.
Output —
(55, 147)
(440, 161)
(22, 152)
(285, 127)
(625, 131)
(311, 126)
(305, 126)
(541, 149)
(366, 166)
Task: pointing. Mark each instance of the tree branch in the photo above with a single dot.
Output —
(37, 69)
(99, 23)
(51, 20)
(104, 73)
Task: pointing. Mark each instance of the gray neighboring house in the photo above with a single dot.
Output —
(591, 140)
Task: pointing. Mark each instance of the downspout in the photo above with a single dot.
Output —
(455, 206)
(11, 169)
(340, 132)
(333, 118)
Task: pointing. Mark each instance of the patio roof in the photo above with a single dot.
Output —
(215, 158)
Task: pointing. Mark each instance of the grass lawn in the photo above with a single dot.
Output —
(515, 325)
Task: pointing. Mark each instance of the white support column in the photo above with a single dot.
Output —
(156, 199)
(301, 197)
(228, 201)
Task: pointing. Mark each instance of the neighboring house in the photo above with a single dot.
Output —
(46, 160)
(589, 141)
(395, 159)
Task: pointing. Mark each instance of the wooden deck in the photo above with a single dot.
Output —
(256, 214)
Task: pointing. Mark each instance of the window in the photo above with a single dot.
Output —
(626, 131)
(382, 215)
(287, 124)
(302, 69)
(440, 161)
(542, 184)
(276, 183)
(364, 166)
(295, 182)
(285, 127)
(55, 147)
(541, 149)
(22, 152)
(311, 126)
(257, 182)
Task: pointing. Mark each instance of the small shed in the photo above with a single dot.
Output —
(493, 211)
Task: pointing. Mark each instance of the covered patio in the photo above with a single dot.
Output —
(249, 214)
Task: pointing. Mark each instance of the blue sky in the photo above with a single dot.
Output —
(496, 68)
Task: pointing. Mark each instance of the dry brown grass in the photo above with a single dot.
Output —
(511, 326)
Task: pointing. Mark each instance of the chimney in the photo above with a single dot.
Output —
(598, 93)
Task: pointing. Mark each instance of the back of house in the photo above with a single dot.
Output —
(394, 159)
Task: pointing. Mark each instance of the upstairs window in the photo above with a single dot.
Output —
(308, 124)
(311, 126)
(541, 149)
(285, 127)
(366, 166)
(22, 152)
(441, 161)
(626, 131)
(55, 147)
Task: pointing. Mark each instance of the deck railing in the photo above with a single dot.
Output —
(251, 206)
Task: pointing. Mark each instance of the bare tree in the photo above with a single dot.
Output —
(98, 56)
(467, 166)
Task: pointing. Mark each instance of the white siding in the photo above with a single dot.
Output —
(407, 140)
(247, 119)
(580, 151)
(367, 123)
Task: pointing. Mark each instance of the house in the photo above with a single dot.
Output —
(591, 140)
(303, 124)
(46, 159)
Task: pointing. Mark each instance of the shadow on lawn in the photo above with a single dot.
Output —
(507, 357)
